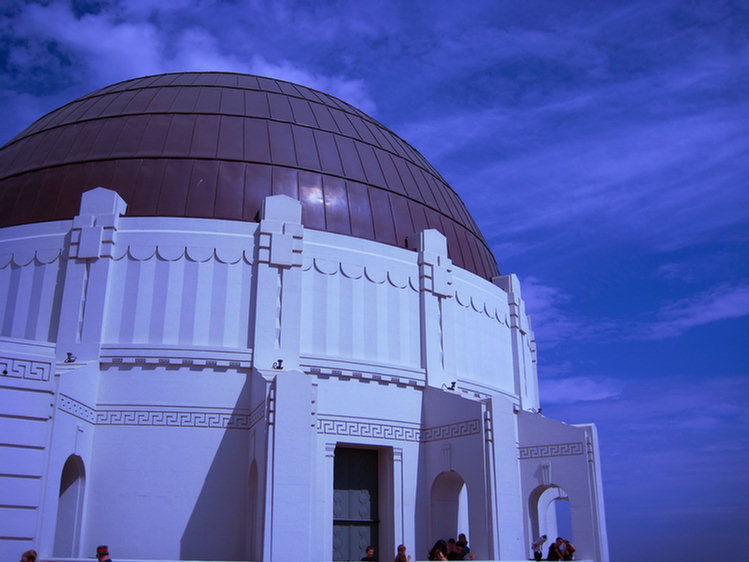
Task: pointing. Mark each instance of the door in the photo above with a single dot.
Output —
(355, 517)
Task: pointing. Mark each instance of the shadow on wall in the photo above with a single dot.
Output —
(441, 495)
(217, 528)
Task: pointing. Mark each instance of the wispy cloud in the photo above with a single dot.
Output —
(556, 318)
(54, 54)
(573, 389)
(720, 303)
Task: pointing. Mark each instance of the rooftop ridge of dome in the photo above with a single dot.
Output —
(302, 130)
(419, 159)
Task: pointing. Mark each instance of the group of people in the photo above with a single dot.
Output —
(102, 554)
(369, 555)
(451, 550)
(560, 549)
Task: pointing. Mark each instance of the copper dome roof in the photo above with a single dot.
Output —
(212, 144)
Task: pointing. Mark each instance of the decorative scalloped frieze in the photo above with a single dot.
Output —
(326, 267)
(482, 305)
(352, 271)
(227, 255)
(376, 274)
(26, 369)
(552, 450)
(21, 258)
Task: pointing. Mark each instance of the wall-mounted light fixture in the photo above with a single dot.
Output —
(278, 365)
(451, 387)
(70, 358)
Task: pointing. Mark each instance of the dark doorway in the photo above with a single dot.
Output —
(355, 517)
(69, 508)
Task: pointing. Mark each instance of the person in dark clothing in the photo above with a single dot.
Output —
(402, 556)
(450, 547)
(555, 551)
(458, 553)
(466, 549)
(568, 550)
(102, 553)
(369, 556)
(439, 551)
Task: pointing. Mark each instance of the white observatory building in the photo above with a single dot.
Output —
(240, 320)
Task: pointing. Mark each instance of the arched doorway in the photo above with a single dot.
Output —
(548, 516)
(70, 508)
(449, 506)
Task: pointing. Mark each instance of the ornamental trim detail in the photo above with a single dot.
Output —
(173, 418)
(553, 450)
(26, 369)
(396, 432)
(77, 409)
(160, 418)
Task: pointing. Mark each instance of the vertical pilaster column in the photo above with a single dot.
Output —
(398, 511)
(278, 284)
(436, 306)
(84, 293)
(523, 344)
(506, 489)
(290, 470)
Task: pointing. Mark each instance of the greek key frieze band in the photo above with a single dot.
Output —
(25, 369)
(394, 432)
(553, 450)
(158, 418)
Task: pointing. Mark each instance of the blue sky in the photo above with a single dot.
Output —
(603, 149)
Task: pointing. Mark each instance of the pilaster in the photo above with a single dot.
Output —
(290, 469)
(436, 306)
(507, 500)
(89, 256)
(278, 284)
(523, 344)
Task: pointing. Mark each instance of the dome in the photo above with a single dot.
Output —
(214, 145)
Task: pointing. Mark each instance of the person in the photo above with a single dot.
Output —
(439, 551)
(450, 547)
(466, 550)
(459, 552)
(102, 553)
(29, 556)
(369, 556)
(402, 554)
(567, 550)
(555, 550)
(537, 547)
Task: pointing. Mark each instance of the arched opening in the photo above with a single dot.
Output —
(449, 502)
(550, 513)
(70, 508)
(564, 518)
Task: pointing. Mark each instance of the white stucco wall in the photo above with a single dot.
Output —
(204, 371)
